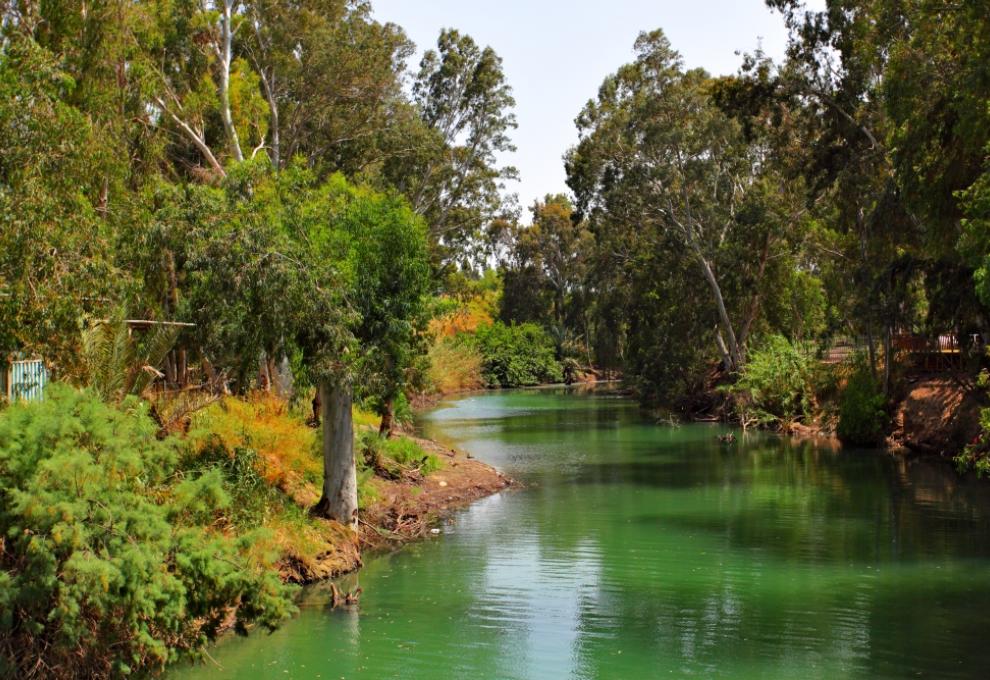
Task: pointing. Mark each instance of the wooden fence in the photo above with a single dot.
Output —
(927, 353)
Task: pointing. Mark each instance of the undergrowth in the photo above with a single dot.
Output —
(390, 457)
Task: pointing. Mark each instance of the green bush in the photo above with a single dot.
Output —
(862, 408)
(104, 571)
(380, 453)
(252, 498)
(514, 356)
(976, 456)
(777, 383)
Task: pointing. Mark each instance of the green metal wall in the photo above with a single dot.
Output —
(23, 379)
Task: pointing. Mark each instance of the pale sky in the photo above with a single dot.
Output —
(557, 52)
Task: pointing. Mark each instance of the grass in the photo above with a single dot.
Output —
(271, 464)
(455, 366)
(287, 449)
(393, 455)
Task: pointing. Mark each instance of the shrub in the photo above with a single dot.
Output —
(383, 455)
(287, 451)
(514, 356)
(455, 365)
(976, 456)
(777, 383)
(862, 414)
(102, 571)
(252, 500)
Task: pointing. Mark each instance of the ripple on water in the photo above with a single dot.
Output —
(639, 551)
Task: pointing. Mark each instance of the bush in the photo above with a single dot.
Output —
(455, 365)
(381, 454)
(514, 356)
(102, 569)
(777, 383)
(252, 500)
(976, 456)
(288, 452)
(862, 413)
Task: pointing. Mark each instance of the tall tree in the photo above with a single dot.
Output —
(453, 179)
(656, 151)
(548, 259)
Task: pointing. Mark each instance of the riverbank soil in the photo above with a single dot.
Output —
(409, 509)
(939, 415)
(289, 461)
(402, 510)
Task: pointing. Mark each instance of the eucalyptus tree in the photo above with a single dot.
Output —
(451, 173)
(547, 260)
(893, 98)
(390, 260)
(56, 259)
(332, 80)
(659, 159)
(378, 250)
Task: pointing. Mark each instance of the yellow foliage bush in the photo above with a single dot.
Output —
(287, 446)
(455, 366)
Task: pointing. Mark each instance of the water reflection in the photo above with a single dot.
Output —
(639, 550)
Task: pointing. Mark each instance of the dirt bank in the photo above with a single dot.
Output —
(402, 510)
(938, 416)
(935, 415)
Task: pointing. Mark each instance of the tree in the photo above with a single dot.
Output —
(391, 261)
(56, 261)
(891, 94)
(372, 248)
(452, 178)
(656, 151)
(331, 77)
(548, 261)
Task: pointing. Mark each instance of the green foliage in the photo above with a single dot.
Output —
(381, 454)
(252, 499)
(863, 417)
(976, 456)
(546, 268)
(465, 114)
(106, 571)
(455, 365)
(117, 364)
(514, 356)
(56, 259)
(388, 253)
(777, 384)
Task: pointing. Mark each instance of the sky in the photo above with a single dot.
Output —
(557, 52)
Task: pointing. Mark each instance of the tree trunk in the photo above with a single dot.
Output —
(887, 359)
(871, 348)
(388, 419)
(723, 350)
(723, 314)
(225, 50)
(339, 501)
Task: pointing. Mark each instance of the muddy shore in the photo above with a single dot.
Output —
(404, 510)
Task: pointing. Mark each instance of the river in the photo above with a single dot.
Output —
(638, 550)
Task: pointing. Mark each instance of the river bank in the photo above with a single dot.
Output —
(637, 550)
(399, 501)
(404, 510)
(930, 415)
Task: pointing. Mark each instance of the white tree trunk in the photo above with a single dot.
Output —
(339, 501)
(226, 56)
(723, 314)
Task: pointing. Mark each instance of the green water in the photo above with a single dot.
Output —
(641, 551)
